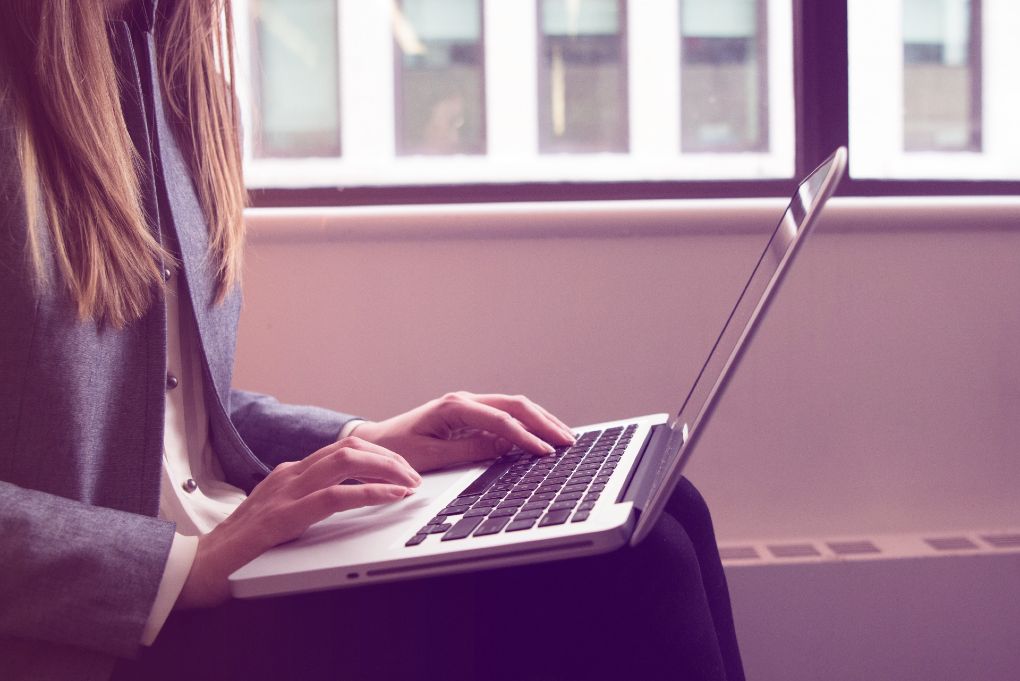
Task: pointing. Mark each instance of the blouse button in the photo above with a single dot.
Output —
(166, 274)
(171, 382)
(189, 485)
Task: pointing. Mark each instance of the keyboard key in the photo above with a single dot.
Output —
(438, 520)
(580, 516)
(570, 496)
(575, 488)
(543, 496)
(529, 514)
(415, 540)
(586, 506)
(519, 494)
(453, 510)
(463, 528)
(518, 525)
(533, 505)
(551, 518)
(462, 500)
(562, 506)
(476, 512)
(491, 526)
(435, 529)
(489, 476)
(512, 503)
(501, 512)
(598, 486)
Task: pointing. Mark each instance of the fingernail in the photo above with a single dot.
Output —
(548, 448)
(569, 435)
(409, 491)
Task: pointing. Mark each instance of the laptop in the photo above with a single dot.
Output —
(605, 491)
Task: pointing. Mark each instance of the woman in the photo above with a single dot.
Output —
(133, 479)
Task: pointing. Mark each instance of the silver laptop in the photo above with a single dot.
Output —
(605, 491)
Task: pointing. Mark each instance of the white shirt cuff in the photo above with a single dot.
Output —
(178, 566)
(348, 427)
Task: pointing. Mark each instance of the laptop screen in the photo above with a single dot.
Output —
(784, 236)
(798, 218)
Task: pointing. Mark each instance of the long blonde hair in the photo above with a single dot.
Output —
(77, 160)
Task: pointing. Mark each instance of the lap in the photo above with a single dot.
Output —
(642, 612)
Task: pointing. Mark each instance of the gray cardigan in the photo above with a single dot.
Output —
(81, 416)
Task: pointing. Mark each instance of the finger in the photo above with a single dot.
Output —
(335, 498)
(477, 447)
(474, 414)
(534, 418)
(354, 443)
(346, 463)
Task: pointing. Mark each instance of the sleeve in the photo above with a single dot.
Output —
(278, 432)
(178, 567)
(76, 574)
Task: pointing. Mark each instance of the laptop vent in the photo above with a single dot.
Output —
(793, 550)
(1003, 541)
(951, 543)
(738, 553)
(852, 548)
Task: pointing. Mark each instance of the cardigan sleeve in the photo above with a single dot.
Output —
(78, 574)
(277, 432)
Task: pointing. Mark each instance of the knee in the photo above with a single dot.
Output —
(688, 506)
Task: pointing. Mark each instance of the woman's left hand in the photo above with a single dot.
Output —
(461, 427)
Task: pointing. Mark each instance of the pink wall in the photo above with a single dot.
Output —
(881, 395)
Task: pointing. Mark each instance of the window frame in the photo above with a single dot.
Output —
(821, 124)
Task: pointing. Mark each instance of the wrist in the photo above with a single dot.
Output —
(350, 427)
(207, 585)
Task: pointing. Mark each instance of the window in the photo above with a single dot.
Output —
(941, 76)
(724, 79)
(933, 89)
(296, 105)
(440, 79)
(447, 92)
(583, 76)
(434, 100)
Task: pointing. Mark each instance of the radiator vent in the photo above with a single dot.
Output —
(947, 543)
(951, 543)
(738, 553)
(1003, 541)
(852, 548)
(793, 550)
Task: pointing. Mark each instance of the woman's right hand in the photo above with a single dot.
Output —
(293, 496)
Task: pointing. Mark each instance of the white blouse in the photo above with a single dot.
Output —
(193, 492)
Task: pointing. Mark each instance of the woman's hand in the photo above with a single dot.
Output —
(461, 427)
(292, 497)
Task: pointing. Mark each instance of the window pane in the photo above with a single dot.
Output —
(583, 76)
(440, 79)
(723, 83)
(941, 77)
(297, 110)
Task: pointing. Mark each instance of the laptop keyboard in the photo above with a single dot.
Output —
(521, 491)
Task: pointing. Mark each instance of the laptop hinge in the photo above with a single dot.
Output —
(638, 488)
